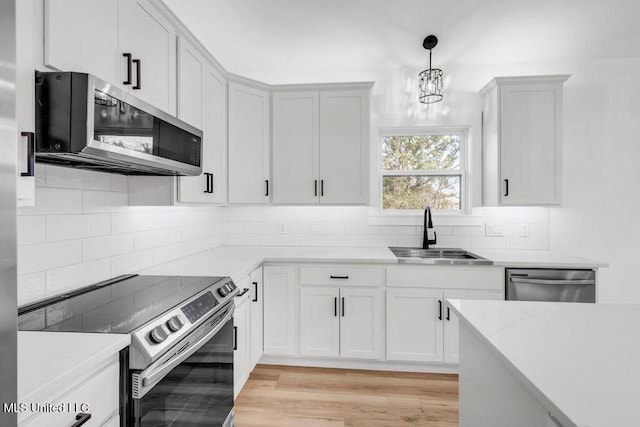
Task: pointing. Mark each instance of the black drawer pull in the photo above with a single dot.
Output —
(255, 288)
(335, 306)
(506, 187)
(81, 418)
(315, 187)
(128, 81)
(207, 176)
(439, 309)
(338, 277)
(31, 153)
(322, 187)
(448, 314)
(266, 183)
(342, 306)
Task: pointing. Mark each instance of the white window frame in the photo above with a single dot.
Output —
(463, 172)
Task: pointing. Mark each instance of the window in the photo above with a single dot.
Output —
(423, 168)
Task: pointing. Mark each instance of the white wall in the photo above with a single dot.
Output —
(81, 231)
(599, 217)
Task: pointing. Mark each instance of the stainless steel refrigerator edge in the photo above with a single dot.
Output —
(8, 274)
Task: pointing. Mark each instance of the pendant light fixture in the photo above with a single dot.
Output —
(430, 81)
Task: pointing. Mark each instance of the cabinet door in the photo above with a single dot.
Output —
(249, 172)
(414, 325)
(451, 322)
(295, 148)
(344, 147)
(279, 310)
(241, 367)
(361, 323)
(82, 35)
(319, 321)
(151, 39)
(530, 144)
(192, 69)
(25, 84)
(256, 317)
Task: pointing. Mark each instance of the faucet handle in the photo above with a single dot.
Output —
(435, 239)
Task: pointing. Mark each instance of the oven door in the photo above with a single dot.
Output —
(193, 384)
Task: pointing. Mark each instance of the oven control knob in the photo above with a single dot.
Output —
(223, 292)
(175, 324)
(231, 285)
(157, 334)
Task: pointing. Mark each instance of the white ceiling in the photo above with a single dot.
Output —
(297, 41)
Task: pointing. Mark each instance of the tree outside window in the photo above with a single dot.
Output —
(423, 169)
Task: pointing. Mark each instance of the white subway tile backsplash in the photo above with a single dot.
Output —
(310, 214)
(54, 201)
(243, 239)
(261, 227)
(277, 240)
(529, 243)
(398, 229)
(167, 253)
(103, 201)
(96, 180)
(490, 242)
(65, 227)
(60, 177)
(150, 239)
(380, 240)
(63, 279)
(107, 246)
(327, 228)
(452, 242)
(46, 256)
(345, 240)
(119, 183)
(31, 229)
(31, 287)
(129, 222)
(310, 240)
(133, 262)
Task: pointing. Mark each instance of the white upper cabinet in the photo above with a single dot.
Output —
(296, 153)
(202, 102)
(128, 43)
(522, 140)
(151, 40)
(249, 148)
(321, 146)
(25, 98)
(344, 147)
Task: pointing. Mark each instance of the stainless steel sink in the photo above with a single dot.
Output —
(438, 256)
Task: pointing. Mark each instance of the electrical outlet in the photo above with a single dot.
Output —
(494, 230)
(282, 228)
(524, 230)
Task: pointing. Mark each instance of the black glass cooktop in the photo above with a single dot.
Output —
(118, 306)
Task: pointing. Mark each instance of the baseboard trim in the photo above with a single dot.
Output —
(372, 365)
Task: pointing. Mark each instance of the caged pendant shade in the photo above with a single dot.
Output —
(430, 81)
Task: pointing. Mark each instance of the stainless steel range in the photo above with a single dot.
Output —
(178, 369)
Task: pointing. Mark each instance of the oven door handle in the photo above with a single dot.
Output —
(158, 370)
(554, 282)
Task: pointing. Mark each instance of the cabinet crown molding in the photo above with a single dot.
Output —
(501, 81)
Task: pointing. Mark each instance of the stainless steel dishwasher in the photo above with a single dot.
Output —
(550, 285)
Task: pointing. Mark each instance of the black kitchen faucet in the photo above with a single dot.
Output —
(428, 224)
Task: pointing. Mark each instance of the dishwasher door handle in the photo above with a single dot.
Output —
(553, 281)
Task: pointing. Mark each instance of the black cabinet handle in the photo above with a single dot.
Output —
(266, 183)
(138, 71)
(207, 177)
(235, 337)
(322, 187)
(81, 418)
(315, 187)
(31, 153)
(448, 314)
(335, 306)
(439, 309)
(255, 288)
(338, 277)
(506, 187)
(128, 81)
(342, 306)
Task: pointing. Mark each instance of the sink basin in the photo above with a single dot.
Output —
(440, 256)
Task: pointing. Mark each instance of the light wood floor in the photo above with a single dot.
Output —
(287, 396)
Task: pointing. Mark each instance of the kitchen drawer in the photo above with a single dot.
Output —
(446, 277)
(342, 275)
(99, 393)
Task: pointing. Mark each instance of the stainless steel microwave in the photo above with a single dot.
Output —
(84, 122)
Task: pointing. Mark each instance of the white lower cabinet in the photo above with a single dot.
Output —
(420, 325)
(97, 395)
(241, 342)
(256, 311)
(414, 325)
(341, 322)
(279, 310)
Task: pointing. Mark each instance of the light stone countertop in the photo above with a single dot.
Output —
(50, 361)
(579, 359)
(238, 261)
